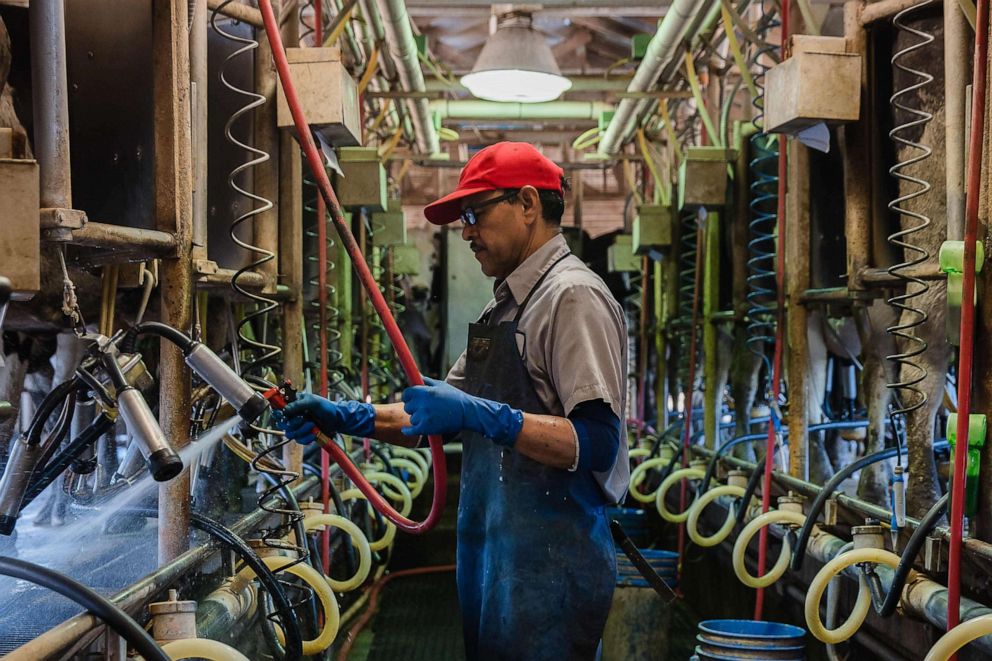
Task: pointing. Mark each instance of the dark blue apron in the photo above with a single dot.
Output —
(536, 561)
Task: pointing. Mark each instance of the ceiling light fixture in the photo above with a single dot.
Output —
(516, 64)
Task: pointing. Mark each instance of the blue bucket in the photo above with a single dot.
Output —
(730, 640)
(635, 523)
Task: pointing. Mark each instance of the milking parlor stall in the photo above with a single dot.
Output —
(443, 329)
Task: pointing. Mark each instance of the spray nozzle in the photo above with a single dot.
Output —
(279, 396)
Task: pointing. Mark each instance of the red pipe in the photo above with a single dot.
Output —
(766, 482)
(306, 140)
(967, 337)
(321, 218)
(687, 427)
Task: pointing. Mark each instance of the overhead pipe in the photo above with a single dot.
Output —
(403, 50)
(552, 110)
(662, 48)
(374, 23)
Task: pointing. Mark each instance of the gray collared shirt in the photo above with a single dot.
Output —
(576, 342)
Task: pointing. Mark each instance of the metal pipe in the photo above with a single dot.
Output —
(198, 93)
(879, 11)
(50, 99)
(119, 237)
(238, 11)
(469, 109)
(974, 546)
(956, 38)
(403, 50)
(664, 45)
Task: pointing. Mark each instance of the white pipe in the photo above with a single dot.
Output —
(202, 648)
(664, 45)
(403, 51)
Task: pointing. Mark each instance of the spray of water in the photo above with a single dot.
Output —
(86, 551)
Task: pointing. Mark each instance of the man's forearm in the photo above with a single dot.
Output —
(547, 439)
(389, 421)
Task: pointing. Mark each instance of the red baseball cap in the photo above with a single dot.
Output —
(496, 167)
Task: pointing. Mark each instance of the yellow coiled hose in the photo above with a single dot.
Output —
(700, 504)
(401, 493)
(316, 582)
(357, 539)
(639, 474)
(784, 556)
(202, 648)
(668, 483)
(958, 637)
(861, 606)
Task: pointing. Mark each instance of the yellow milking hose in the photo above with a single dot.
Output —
(357, 539)
(958, 637)
(201, 648)
(316, 582)
(668, 483)
(697, 507)
(410, 453)
(784, 556)
(387, 537)
(416, 481)
(389, 482)
(639, 474)
(861, 606)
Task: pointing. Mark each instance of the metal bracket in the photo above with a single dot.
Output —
(57, 224)
(933, 552)
(951, 258)
(204, 267)
(830, 509)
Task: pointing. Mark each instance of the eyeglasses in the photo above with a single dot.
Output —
(470, 215)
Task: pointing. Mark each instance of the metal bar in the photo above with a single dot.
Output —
(291, 258)
(239, 12)
(713, 393)
(199, 85)
(265, 225)
(173, 213)
(796, 282)
(136, 595)
(827, 295)
(50, 99)
(881, 277)
(957, 36)
(855, 152)
(105, 235)
(879, 11)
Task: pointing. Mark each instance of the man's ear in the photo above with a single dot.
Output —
(530, 202)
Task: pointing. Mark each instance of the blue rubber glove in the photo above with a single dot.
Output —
(308, 413)
(439, 408)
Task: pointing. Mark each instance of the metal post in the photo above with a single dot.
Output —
(855, 149)
(50, 99)
(173, 213)
(713, 395)
(291, 254)
(198, 90)
(266, 138)
(957, 35)
(796, 282)
(660, 346)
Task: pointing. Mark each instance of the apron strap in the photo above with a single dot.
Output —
(530, 294)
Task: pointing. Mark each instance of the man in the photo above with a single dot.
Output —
(538, 398)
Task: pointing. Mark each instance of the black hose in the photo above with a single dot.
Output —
(799, 554)
(52, 442)
(711, 467)
(56, 397)
(927, 523)
(41, 479)
(115, 372)
(752, 486)
(112, 615)
(128, 343)
(227, 537)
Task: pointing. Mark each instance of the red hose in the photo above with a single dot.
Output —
(967, 337)
(406, 360)
(687, 427)
(766, 482)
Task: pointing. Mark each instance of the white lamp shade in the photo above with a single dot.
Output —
(516, 64)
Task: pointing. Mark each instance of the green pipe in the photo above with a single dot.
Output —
(468, 109)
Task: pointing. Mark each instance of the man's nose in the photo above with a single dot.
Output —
(468, 231)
